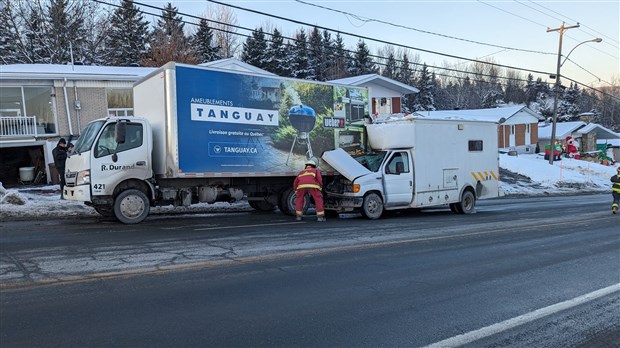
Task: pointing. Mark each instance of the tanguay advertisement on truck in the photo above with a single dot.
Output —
(235, 123)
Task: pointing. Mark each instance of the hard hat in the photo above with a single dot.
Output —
(311, 163)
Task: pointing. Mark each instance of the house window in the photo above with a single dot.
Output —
(32, 101)
(475, 145)
(512, 130)
(385, 105)
(527, 128)
(120, 101)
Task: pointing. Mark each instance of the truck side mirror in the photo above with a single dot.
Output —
(120, 131)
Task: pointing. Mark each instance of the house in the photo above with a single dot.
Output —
(587, 134)
(384, 93)
(40, 103)
(518, 125)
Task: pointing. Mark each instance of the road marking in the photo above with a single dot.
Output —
(490, 330)
(243, 226)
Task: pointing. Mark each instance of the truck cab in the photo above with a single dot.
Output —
(110, 166)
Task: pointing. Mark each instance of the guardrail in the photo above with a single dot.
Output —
(11, 126)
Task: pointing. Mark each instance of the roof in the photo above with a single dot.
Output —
(75, 72)
(377, 80)
(236, 65)
(601, 132)
(564, 129)
(498, 115)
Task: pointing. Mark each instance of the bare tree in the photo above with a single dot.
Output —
(223, 21)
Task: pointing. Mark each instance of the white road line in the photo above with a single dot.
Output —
(242, 226)
(472, 336)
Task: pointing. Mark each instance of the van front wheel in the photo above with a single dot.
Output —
(372, 207)
(131, 206)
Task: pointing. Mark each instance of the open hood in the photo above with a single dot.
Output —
(346, 165)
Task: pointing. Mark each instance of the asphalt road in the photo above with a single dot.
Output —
(537, 272)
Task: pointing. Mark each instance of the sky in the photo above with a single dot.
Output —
(502, 24)
(568, 176)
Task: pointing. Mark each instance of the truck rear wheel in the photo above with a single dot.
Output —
(372, 208)
(131, 206)
(467, 204)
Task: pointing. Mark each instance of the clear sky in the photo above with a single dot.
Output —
(504, 24)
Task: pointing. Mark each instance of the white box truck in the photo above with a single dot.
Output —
(210, 135)
(417, 163)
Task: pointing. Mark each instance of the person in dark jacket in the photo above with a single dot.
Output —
(60, 157)
(309, 182)
(615, 191)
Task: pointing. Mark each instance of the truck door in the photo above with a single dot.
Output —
(398, 179)
(132, 158)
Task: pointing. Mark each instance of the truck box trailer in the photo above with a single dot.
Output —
(417, 163)
(208, 135)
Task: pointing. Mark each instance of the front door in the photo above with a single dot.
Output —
(132, 158)
(398, 179)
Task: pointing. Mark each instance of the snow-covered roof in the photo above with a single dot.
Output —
(601, 132)
(562, 129)
(499, 115)
(75, 72)
(235, 64)
(379, 80)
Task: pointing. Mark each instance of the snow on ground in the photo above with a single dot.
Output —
(523, 175)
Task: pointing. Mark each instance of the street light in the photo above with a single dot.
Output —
(557, 83)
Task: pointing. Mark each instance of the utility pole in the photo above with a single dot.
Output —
(561, 29)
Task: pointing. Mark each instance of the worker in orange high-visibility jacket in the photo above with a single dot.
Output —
(615, 191)
(309, 182)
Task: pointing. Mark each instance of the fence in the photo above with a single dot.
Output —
(18, 126)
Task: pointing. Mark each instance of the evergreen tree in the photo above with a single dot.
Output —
(389, 70)
(340, 61)
(34, 31)
(329, 53)
(202, 41)
(9, 51)
(255, 49)
(126, 44)
(568, 105)
(299, 56)
(277, 54)
(425, 100)
(65, 31)
(169, 42)
(316, 70)
(514, 91)
(530, 90)
(362, 61)
(404, 73)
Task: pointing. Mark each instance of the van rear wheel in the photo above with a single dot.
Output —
(131, 206)
(467, 204)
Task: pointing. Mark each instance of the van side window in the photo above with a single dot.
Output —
(399, 163)
(475, 145)
(106, 144)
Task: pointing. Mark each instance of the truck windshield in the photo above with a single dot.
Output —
(86, 140)
(372, 160)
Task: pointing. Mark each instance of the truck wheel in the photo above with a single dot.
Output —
(261, 205)
(131, 206)
(372, 208)
(104, 210)
(467, 204)
(286, 203)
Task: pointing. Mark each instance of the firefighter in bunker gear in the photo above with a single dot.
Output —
(309, 181)
(615, 191)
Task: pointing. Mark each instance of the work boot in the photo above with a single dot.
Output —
(320, 219)
(298, 218)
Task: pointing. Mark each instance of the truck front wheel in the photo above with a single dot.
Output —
(372, 207)
(131, 206)
(286, 203)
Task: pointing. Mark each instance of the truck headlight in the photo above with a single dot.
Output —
(83, 177)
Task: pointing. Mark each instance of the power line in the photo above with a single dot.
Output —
(367, 20)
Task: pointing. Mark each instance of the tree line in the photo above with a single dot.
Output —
(83, 32)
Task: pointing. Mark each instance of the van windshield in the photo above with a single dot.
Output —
(86, 140)
(372, 161)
